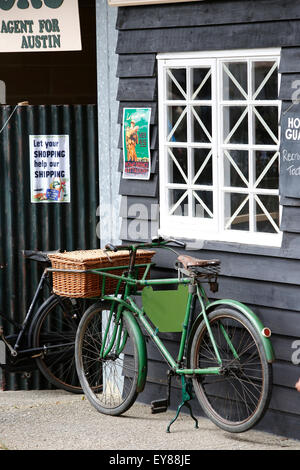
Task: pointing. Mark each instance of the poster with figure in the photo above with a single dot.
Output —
(49, 168)
(136, 145)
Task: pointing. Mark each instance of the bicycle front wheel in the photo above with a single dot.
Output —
(54, 333)
(107, 361)
(236, 400)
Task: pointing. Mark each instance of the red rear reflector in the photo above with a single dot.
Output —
(266, 332)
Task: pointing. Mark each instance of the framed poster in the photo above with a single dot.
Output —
(136, 145)
(49, 168)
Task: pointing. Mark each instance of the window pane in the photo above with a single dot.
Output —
(236, 211)
(266, 125)
(266, 213)
(203, 204)
(176, 84)
(202, 166)
(177, 124)
(235, 86)
(177, 158)
(201, 84)
(178, 202)
(235, 124)
(201, 124)
(236, 168)
(265, 80)
(267, 169)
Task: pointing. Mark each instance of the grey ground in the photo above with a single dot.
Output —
(57, 420)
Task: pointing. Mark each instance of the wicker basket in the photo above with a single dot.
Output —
(90, 285)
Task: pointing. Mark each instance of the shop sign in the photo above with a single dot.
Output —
(289, 180)
(49, 168)
(136, 146)
(39, 25)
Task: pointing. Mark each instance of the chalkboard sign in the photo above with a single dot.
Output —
(289, 181)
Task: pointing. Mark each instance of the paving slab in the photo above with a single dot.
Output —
(58, 420)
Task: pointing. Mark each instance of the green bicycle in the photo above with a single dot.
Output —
(225, 354)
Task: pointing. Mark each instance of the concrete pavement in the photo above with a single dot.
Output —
(57, 420)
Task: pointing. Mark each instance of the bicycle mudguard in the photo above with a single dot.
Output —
(250, 315)
(142, 350)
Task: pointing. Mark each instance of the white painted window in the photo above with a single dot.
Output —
(219, 146)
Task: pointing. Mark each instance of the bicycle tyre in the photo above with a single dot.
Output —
(56, 323)
(238, 399)
(117, 375)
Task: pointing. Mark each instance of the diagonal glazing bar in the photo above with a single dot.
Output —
(203, 204)
(269, 217)
(178, 166)
(265, 125)
(236, 126)
(236, 167)
(202, 84)
(202, 167)
(266, 169)
(236, 213)
(177, 123)
(237, 84)
(177, 84)
(202, 125)
(178, 203)
(265, 81)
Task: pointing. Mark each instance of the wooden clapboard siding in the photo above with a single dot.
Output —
(242, 36)
(137, 89)
(290, 60)
(171, 16)
(288, 85)
(265, 278)
(131, 208)
(130, 65)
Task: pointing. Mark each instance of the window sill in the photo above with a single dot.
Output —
(242, 246)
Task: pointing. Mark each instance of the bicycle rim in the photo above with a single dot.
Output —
(115, 375)
(237, 399)
(55, 332)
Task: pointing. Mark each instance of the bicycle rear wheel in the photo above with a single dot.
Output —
(115, 376)
(236, 400)
(55, 330)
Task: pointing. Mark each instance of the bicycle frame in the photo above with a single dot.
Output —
(15, 347)
(23, 327)
(126, 302)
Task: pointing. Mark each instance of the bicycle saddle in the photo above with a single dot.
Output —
(190, 261)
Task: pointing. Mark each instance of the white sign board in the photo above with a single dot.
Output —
(49, 168)
(39, 26)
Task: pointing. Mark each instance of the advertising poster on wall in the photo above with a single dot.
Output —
(136, 145)
(49, 168)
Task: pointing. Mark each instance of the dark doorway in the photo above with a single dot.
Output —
(55, 77)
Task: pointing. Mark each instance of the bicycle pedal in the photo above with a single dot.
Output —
(159, 406)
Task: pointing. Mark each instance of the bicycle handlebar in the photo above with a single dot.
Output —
(156, 242)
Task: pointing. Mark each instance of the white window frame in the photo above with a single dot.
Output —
(209, 229)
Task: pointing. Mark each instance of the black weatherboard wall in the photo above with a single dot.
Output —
(267, 279)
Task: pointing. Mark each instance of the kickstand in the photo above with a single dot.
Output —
(186, 397)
